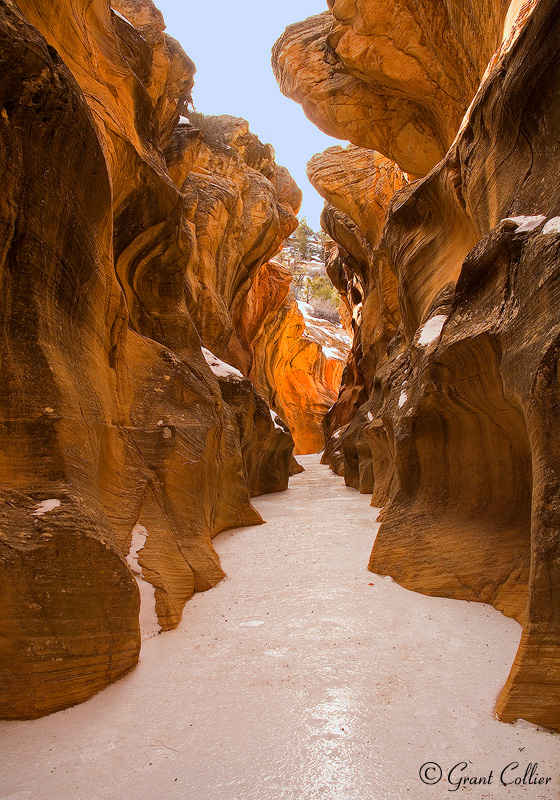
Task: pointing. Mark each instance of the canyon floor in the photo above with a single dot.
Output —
(300, 676)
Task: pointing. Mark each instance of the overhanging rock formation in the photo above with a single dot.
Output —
(382, 76)
(449, 414)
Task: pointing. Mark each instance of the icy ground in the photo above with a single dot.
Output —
(295, 679)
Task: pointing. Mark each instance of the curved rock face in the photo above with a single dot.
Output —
(297, 359)
(302, 372)
(120, 458)
(262, 435)
(358, 185)
(382, 76)
(447, 412)
(241, 207)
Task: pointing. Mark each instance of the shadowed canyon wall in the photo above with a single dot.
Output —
(129, 239)
(448, 411)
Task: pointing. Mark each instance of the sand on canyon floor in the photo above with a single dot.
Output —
(301, 676)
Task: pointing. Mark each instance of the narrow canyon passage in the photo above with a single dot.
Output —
(301, 675)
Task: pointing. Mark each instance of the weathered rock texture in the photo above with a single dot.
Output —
(382, 76)
(241, 209)
(449, 407)
(111, 418)
(358, 185)
(298, 359)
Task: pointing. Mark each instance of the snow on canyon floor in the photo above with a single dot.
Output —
(296, 679)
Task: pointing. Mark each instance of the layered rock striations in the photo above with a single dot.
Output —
(120, 457)
(243, 206)
(240, 207)
(453, 426)
(358, 185)
(382, 76)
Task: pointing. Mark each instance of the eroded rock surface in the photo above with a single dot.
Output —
(301, 373)
(112, 421)
(241, 207)
(358, 185)
(449, 402)
(382, 76)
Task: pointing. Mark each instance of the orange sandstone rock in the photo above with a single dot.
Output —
(382, 76)
(478, 396)
(239, 213)
(358, 185)
(112, 419)
(298, 359)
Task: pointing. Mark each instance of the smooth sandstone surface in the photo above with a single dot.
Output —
(446, 412)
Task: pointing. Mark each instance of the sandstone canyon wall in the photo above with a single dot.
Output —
(448, 411)
(128, 240)
(240, 298)
(298, 359)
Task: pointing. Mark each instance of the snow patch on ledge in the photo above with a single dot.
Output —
(526, 224)
(402, 399)
(120, 16)
(44, 506)
(220, 368)
(276, 420)
(552, 226)
(149, 623)
(128, 22)
(184, 120)
(305, 309)
(431, 330)
(528, 726)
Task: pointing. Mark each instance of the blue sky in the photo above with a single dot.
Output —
(230, 44)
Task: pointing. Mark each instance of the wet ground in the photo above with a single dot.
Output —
(301, 676)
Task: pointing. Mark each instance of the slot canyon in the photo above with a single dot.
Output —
(351, 437)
